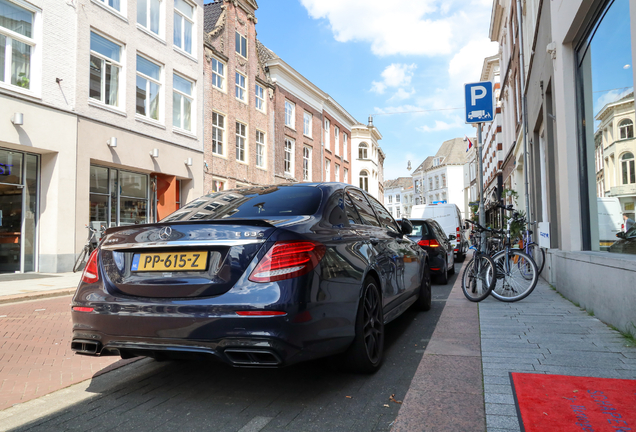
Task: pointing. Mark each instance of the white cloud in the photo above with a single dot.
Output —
(441, 125)
(402, 94)
(394, 75)
(414, 28)
(466, 65)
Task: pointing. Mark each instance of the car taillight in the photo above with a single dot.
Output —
(260, 313)
(288, 259)
(458, 233)
(91, 274)
(429, 243)
(82, 309)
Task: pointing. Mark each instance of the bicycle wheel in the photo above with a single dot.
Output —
(517, 275)
(478, 278)
(538, 255)
(81, 260)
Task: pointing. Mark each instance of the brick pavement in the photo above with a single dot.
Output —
(35, 351)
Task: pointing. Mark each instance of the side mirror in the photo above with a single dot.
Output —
(621, 235)
(406, 226)
(452, 237)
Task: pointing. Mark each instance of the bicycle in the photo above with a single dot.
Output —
(517, 273)
(478, 279)
(88, 248)
(533, 249)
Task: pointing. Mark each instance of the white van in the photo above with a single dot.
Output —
(610, 221)
(450, 219)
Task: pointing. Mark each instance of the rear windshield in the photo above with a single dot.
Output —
(252, 203)
(420, 229)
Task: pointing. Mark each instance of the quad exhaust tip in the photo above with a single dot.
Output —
(252, 358)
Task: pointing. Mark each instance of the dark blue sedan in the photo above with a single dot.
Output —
(260, 277)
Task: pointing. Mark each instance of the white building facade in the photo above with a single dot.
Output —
(367, 159)
(102, 126)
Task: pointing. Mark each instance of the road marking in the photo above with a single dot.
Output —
(256, 424)
(40, 310)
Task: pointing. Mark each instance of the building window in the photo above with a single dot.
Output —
(397, 212)
(183, 25)
(289, 156)
(149, 14)
(390, 199)
(327, 170)
(218, 74)
(362, 151)
(240, 141)
(336, 172)
(336, 139)
(307, 163)
(307, 124)
(364, 180)
(345, 175)
(115, 4)
(260, 98)
(117, 197)
(182, 102)
(443, 180)
(148, 88)
(105, 70)
(627, 166)
(430, 183)
(608, 40)
(260, 149)
(344, 146)
(16, 44)
(289, 114)
(626, 128)
(241, 44)
(327, 130)
(218, 130)
(240, 86)
(397, 198)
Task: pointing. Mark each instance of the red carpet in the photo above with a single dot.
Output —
(571, 403)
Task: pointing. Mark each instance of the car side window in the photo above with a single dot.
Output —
(385, 217)
(439, 232)
(352, 214)
(364, 209)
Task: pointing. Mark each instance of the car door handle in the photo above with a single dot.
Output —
(374, 240)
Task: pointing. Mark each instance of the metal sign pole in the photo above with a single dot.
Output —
(482, 212)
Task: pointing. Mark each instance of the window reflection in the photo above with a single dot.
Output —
(606, 77)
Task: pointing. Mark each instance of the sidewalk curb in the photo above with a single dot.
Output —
(447, 392)
(36, 295)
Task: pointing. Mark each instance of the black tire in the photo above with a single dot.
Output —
(81, 260)
(477, 284)
(451, 270)
(443, 278)
(519, 280)
(538, 255)
(423, 302)
(366, 353)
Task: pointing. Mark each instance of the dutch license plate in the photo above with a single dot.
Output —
(172, 261)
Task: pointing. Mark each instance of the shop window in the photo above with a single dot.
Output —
(118, 197)
(605, 95)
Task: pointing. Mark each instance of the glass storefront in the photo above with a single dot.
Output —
(606, 101)
(117, 197)
(18, 211)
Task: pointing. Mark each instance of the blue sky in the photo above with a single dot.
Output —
(373, 57)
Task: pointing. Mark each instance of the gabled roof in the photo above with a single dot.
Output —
(211, 14)
(453, 151)
(401, 182)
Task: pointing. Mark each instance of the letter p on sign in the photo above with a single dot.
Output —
(474, 96)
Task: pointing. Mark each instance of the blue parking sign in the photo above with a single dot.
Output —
(480, 103)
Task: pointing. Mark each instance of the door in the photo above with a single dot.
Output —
(18, 211)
